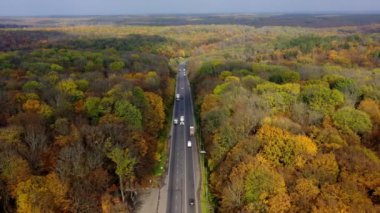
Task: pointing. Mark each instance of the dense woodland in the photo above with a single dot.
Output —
(291, 125)
(289, 116)
(82, 122)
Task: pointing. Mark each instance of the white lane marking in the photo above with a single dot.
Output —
(184, 141)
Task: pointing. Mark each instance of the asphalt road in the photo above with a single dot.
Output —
(183, 161)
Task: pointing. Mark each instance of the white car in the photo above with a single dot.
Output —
(189, 144)
(175, 121)
(182, 120)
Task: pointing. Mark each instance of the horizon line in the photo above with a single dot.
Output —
(205, 14)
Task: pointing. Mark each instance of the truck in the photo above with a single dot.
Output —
(192, 130)
(177, 96)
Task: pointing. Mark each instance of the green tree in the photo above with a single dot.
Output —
(285, 77)
(92, 107)
(32, 86)
(106, 105)
(351, 119)
(139, 99)
(82, 84)
(321, 98)
(117, 65)
(129, 113)
(56, 67)
(124, 166)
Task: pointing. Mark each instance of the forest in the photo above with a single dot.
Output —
(83, 122)
(289, 116)
(292, 125)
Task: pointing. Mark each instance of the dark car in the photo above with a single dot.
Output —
(191, 202)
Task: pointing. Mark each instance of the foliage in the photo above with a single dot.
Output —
(129, 113)
(352, 119)
(279, 108)
(154, 117)
(306, 43)
(321, 99)
(117, 65)
(282, 147)
(92, 107)
(42, 194)
(124, 162)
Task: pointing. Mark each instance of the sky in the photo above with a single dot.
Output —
(133, 7)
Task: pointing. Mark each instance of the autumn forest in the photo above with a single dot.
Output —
(289, 117)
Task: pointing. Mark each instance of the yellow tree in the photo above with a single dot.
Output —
(284, 148)
(41, 194)
(154, 117)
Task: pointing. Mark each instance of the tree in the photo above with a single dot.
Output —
(154, 116)
(372, 108)
(35, 137)
(106, 105)
(124, 166)
(56, 67)
(62, 126)
(212, 120)
(42, 194)
(284, 148)
(92, 107)
(251, 81)
(321, 98)
(152, 80)
(262, 183)
(257, 187)
(335, 198)
(82, 84)
(14, 169)
(139, 99)
(282, 77)
(222, 141)
(129, 113)
(35, 106)
(32, 86)
(304, 194)
(31, 105)
(351, 119)
(210, 102)
(279, 97)
(117, 65)
(322, 169)
(70, 88)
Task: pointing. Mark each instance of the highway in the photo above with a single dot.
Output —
(183, 161)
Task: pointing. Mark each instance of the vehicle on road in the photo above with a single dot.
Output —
(192, 130)
(191, 202)
(182, 120)
(175, 121)
(189, 144)
(177, 96)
